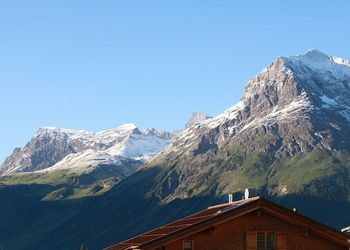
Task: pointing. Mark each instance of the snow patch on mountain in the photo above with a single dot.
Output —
(84, 149)
(132, 143)
(296, 107)
(83, 161)
(328, 102)
(317, 60)
(346, 114)
(340, 60)
(228, 114)
(139, 146)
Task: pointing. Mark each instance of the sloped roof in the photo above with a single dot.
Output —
(217, 213)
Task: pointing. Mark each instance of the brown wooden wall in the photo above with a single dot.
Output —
(231, 235)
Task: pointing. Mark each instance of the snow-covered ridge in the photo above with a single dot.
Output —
(340, 61)
(138, 147)
(124, 142)
(106, 138)
(317, 60)
(80, 149)
(228, 114)
(75, 134)
(299, 105)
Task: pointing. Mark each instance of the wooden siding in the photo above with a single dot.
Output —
(237, 234)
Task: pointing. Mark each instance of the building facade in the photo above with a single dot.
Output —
(251, 224)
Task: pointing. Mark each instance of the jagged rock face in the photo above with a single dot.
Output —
(55, 148)
(45, 149)
(297, 104)
(294, 105)
(196, 117)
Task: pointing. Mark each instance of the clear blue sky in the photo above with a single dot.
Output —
(98, 64)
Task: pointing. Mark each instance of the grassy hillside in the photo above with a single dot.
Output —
(33, 218)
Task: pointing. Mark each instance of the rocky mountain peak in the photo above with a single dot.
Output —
(313, 79)
(314, 55)
(196, 117)
(296, 106)
(323, 64)
(297, 103)
(50, 145)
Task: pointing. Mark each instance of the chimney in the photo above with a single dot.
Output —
(230, 198)
(246, 194)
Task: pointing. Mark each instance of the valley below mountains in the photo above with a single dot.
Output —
(287, 139)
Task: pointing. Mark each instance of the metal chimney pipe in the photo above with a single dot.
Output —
(230, 198)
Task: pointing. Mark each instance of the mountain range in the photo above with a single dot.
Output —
(287, 139)
(55, 148)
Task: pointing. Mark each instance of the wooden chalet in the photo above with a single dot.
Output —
(250, 224)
